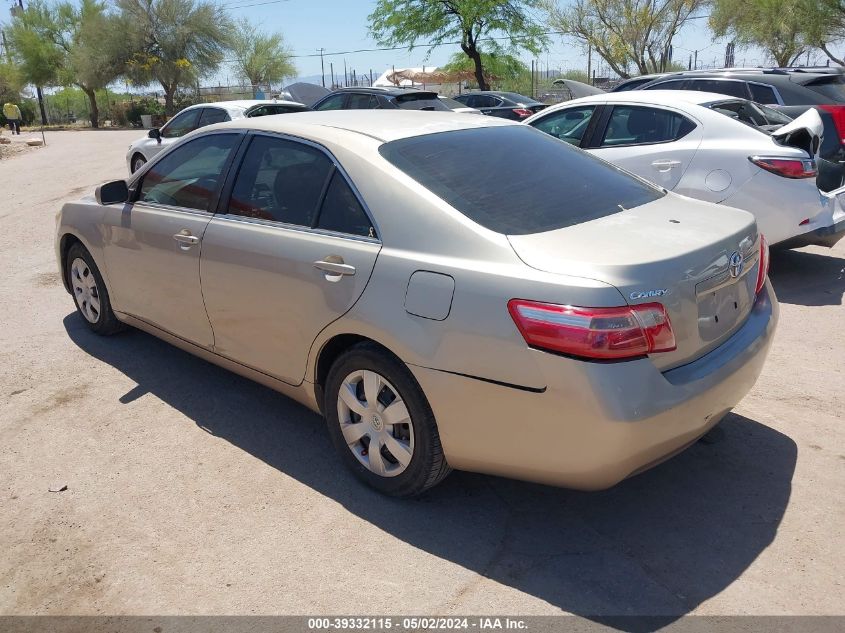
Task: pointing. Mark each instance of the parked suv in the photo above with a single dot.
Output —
(507, 105)
(791, 90)
(375, 98)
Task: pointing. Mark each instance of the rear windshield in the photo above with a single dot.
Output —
(517, 180)
(831, 87)
(420, 101)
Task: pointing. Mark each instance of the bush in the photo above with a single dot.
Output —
(144, 105)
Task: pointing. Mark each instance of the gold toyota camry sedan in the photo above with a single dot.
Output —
(450, 291)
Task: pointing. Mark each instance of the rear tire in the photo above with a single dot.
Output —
(396, 416)
(89, 292)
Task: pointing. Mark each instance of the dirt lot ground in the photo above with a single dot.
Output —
(191, 490)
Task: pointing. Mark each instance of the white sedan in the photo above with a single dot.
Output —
(200, 115)
(715, 148)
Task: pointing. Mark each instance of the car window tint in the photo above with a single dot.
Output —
(762, 94)
(639, 125)
(568, 125)
(342, 212)
(420, 101)
(267, 110)
(465, 99)
(280, 180)
(675, 84)
(188, 175)
(335, 102)
(181, 124)
(517, 180)
(213, 115)
(485, 101)
(831, 86)
(732, 88)
(362, 102)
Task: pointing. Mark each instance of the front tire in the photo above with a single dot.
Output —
(372, 399)
(138, 161)
(89, 292)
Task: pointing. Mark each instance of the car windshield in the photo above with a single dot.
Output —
(750, 113)
(832, 87)
(517, 180)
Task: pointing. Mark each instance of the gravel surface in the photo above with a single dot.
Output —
(190, 490)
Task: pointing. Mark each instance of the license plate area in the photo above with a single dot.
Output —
(723, 305)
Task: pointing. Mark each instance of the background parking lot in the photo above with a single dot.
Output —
(193, 491)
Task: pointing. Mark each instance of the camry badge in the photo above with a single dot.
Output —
(736, 263)
(645, 294)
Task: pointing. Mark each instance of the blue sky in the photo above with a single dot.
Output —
(342, 25)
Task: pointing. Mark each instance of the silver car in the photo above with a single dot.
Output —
(449, 291)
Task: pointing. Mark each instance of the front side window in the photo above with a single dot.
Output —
(639, 125)
(213, 115)
(189, 175)
(181, 124)
(568, 125)
(280, 180)
(335, 102)
(517, 180)
(267, 110)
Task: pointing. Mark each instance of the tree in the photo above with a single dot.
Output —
(69, 44)
(500, 68)
(778, 26)
(261, 58)
(471, 22)
(10, 82)
(624, 33)
(824, 24)
(176, 41)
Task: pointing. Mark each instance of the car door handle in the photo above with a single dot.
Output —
(665, 165)
(185, 239)
(334, 267)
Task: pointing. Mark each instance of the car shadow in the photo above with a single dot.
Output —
(658, 544)
(805, 278)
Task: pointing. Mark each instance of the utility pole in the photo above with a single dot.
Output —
(331, 68)
(322, 66)
(589, 61)
(695, 63)
(345, 76)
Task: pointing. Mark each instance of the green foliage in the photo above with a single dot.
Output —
(11, 82)
(778, 26)
(261, 58)
(31, 38)
(500, 68)
(175, 42)
(625, 33)
(471, 22)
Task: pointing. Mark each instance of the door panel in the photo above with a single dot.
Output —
(268, 297)
(654, 143)
(152, 246)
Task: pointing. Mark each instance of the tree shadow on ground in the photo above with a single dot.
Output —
(805, 278)
(658, 544)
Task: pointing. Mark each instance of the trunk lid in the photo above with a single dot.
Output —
(675, 251)
(805, 133)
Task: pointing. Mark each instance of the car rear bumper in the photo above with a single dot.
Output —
(825, 236)
(595, 423)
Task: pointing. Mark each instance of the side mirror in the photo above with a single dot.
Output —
(113, 192)
(155, 133)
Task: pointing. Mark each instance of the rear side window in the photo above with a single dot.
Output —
(762, 94)
(517, 180)
(213, 115)
(188, 176)
(362, 102)
(280, 180)
(638, 125)
(567, 125)
(732, 88)
(341, 211)
(420, 101)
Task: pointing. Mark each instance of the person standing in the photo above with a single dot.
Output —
(13, 115)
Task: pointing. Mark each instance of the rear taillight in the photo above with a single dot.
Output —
(605, 333)
(838, 114)
(522, 112)
(786, 167)
(763, 268)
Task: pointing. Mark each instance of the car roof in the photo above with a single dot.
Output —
(381, 90)
(381, 125)
(242, 104)
(657, 97)
(763, 75)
